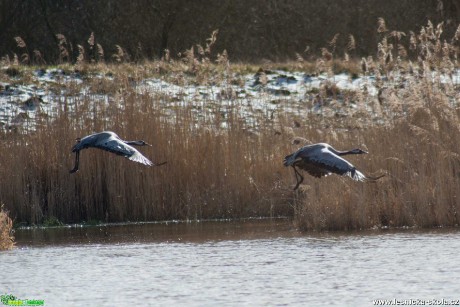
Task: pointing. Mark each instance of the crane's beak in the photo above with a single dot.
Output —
(148, 144)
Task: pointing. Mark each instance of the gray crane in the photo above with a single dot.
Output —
(322, 159)
(110, 141)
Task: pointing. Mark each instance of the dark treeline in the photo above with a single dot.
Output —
(248, 30)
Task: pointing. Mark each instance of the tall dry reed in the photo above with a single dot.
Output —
(422, 165)
(213, 171)
(6, 230)
(222, 166)
(417, 146)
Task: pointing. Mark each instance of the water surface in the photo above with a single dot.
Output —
(245, 263)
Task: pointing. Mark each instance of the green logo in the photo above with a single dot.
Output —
(11, 300)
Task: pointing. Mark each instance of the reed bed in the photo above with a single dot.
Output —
(420, 159)
(212, 171)
(222, 165)
(417, 146)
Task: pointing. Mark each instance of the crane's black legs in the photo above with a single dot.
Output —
(77, 162)
(373, 179)
(298, 177)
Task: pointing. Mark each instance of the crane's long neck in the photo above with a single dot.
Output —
(344, 153)
(349, 152)
(356, 151)
(136, 143)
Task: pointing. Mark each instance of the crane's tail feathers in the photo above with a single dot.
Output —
(137, 157)
(358, 176)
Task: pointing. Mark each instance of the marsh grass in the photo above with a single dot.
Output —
(212, 172)
(416, 147)
(222, 166)
(420, 188)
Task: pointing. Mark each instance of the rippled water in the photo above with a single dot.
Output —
(249, 263)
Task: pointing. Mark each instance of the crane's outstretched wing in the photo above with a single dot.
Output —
(318, 160)
(312, 169)
(122, 149)
(140, 158)
(323, 162)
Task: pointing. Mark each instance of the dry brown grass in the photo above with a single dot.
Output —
(421, 160)
(212, 172)
(219, 166)
(418, 148)
(6, 230)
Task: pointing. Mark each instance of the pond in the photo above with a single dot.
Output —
(255, 262)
